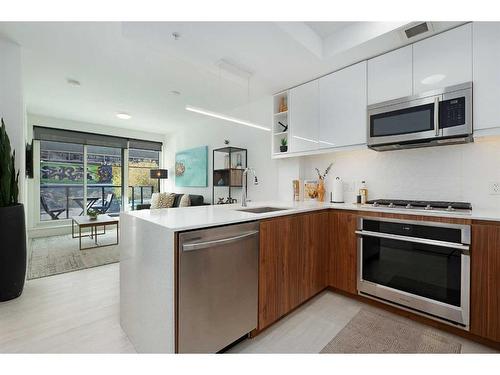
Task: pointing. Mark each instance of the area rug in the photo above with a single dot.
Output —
(60, 254)
(374, 331)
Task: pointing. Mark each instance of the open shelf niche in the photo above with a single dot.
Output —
(281, 117)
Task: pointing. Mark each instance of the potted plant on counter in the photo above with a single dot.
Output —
(284, 145)
(12, 225)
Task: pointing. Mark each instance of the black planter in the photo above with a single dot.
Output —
(283, 148)
(12, 252)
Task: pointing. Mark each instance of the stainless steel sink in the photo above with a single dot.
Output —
(261, 210)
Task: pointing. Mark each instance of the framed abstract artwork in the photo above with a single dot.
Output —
(191, 167)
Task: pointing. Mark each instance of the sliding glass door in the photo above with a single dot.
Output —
(141, 186)
(79, 171)
(61, 180)
(104, 179)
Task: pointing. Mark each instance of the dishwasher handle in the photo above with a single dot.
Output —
(223, 241)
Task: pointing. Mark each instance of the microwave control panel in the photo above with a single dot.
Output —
(452, 112)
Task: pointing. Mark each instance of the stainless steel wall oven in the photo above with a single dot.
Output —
(418, 265)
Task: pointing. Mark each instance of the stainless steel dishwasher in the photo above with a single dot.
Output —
(218, 286)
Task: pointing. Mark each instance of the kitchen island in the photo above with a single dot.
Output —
(149, 259)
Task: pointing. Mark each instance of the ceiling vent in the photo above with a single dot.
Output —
(417, 29)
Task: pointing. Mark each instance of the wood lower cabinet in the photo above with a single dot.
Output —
(342, 262)
(300, 255)
(485, 281)
(292, 263)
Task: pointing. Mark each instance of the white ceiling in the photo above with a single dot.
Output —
(133, 67)
(325, 29)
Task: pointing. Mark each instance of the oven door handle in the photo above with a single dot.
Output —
(465, 248)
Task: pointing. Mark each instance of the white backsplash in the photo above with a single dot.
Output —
(455, 173)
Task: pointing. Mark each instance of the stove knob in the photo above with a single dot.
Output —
(428, 207)
(409, 205)
(391, 205)
(375, 204)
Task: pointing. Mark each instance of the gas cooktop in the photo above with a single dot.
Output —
(461, 207)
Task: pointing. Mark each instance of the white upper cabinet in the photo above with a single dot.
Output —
(486, 75)
(304, 117)
(443, 60)
(343, 107)
(390, 76)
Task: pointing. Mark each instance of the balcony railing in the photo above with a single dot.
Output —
(69, 197)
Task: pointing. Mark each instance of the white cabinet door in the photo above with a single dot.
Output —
(343, 107)
(443, 60)
(304, 117)
(390, 76)
(486, 75)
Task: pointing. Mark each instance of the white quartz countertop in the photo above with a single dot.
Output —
(187, 218)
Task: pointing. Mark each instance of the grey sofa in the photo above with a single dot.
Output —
(196, 200)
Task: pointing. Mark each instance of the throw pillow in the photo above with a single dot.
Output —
(185, 201)
(162, 200)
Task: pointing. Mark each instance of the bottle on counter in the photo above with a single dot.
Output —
(363, 192)
(296, 190)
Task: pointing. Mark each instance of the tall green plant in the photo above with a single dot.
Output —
(9, 180)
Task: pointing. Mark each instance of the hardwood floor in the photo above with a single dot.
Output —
(76, 312)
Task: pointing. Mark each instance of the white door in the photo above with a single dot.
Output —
(304, 117)
(343, 107)
(486, 75)
(390, 76)
(443, 60)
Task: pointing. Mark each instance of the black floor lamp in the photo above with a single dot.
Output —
(160, 174)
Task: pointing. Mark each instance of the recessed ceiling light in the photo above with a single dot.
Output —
(73, 82)
(123, 115)
(175, 92)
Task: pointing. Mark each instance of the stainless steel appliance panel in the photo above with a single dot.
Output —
(426, 271)
(218, 286)
(449, 121)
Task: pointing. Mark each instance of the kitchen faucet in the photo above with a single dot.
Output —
(244, 185)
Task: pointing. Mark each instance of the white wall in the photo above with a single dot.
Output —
(12, 107)
(455, 173)
(213, 132)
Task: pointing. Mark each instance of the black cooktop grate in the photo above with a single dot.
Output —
(418, 204)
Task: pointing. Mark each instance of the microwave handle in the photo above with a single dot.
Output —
(436, 115)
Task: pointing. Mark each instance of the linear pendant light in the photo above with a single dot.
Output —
(225, 117)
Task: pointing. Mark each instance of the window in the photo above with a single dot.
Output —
(104, 179)
(141, 186)
(61, 180)
(79, 171)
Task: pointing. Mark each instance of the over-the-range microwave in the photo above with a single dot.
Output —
(434, 118)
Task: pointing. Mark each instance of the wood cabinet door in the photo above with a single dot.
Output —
(313, 253)
(485, 281)
(342, 264)
(292, 263)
